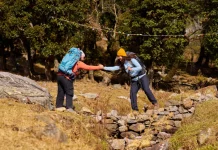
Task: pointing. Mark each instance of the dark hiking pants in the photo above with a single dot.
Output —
(65, 87)
(135, 86)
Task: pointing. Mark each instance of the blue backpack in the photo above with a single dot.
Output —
(69, 60)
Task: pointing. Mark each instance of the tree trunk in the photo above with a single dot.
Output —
(12, 56)
(151, 77)
(201, 57)
(48, 65)
(207, 60)
(93, 19)
(203, 60)
(56, 65)
(26, 44)
(25, 64)
(3, 58)
(163, 69)
(172, 72)
(91, 75)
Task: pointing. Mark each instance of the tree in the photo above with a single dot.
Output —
(43, 26)
(14, 20)
(211, 32)
(105, 17)
(207, 10)
(147, 22)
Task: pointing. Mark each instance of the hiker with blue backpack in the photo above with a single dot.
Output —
(137, 72)
(68, 70)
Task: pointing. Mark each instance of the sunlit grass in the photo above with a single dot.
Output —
(20, 128)
(205, 117)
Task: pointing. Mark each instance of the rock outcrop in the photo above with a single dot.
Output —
(152, 129)
(24, 90)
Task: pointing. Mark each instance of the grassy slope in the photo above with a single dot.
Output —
(205, 117)
(20, 129)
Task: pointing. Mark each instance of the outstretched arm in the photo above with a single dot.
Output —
(114, 68)
(82, 65)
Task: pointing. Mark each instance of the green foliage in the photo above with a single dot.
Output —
(208, 11)
(45, 23)
(107, 19)
(155, 18)
(13, 18)
(51, 26)
(54, 19)
(211, 29)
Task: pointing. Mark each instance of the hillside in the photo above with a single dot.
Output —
(28, 126)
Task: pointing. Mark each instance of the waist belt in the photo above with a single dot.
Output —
(137, 76)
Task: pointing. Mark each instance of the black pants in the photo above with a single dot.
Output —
(65, 87)
(135, 86)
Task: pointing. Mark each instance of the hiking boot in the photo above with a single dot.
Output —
(135, 112)
(71, 110)
(60, 109)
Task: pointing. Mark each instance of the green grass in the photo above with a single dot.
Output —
(205, 117)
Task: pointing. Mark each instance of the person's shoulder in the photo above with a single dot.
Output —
(80, 62)
(133, 59)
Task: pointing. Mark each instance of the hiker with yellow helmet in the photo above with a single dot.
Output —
(133, 68)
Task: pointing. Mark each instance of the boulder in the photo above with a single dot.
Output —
(24, 90)
(118, 144)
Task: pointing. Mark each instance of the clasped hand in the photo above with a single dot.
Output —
(101, 66)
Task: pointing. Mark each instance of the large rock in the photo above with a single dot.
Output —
(24, 90)
(118, 144)
(212, 90)
(203, 136)
(138, 127)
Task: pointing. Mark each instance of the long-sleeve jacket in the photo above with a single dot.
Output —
(133, 73)
(80, 65)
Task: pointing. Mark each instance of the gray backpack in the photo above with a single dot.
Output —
(133, 55)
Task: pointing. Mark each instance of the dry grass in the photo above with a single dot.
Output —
(23, 126)
(108, 96)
